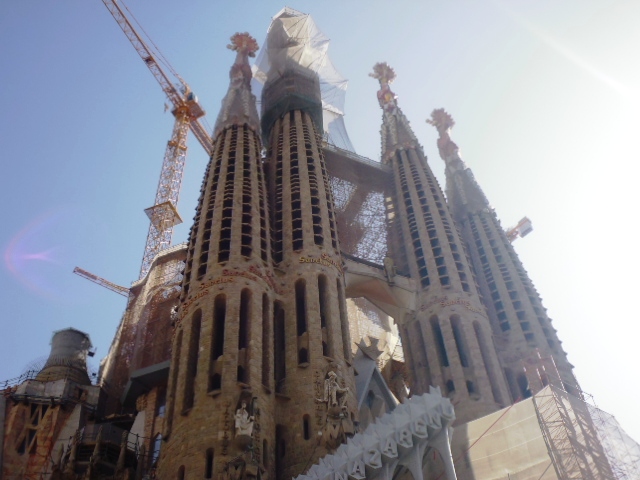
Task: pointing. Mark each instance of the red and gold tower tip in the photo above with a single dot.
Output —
(441, 120)
(385, 75)
(243, 43)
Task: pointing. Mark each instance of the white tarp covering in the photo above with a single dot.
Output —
(510, 444)
(506, 445)
(294, 39)
(622, 451)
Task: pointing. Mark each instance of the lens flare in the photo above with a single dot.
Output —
(32, 259)
(573, 57)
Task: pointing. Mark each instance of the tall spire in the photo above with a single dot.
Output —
(396, 131)
(462, 187)
(239, 104)
(445, 346)
(520, 323)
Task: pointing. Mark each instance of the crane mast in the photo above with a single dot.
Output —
(163, 215)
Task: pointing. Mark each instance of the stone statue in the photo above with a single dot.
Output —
(334, 394)
(244, 421)
(173, 315)
(389, 269)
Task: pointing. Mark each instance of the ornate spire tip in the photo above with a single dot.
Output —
(383, 73)
(441, 120)
(243, 43)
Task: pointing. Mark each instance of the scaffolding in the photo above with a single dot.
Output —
(583, 442)
(145, 333)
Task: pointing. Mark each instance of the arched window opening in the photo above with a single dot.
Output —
(266, 336)
(440, 346)
(523, 385)
(217, 343)
(303, 356)
(243, 336)
(461, 345)
(301, 307)
(279, 365)
(306, 427)
(180, 475)
(301, 322)
(325, 316)
(344, 325)
(471, 388)
(245, 308)
(208, 466)
(450, 387)
(265, 454)
(192, 361)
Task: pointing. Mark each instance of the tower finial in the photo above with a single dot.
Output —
(244, 44)
(385, 75)
(238, 106)
(447, 148)
(441, 120)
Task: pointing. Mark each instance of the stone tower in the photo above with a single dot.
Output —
(314, 383)
(260, 382)
(447, 341)
(219, 395)
(39, 415)
(520, 322)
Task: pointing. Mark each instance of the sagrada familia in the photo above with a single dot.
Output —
(330, 318)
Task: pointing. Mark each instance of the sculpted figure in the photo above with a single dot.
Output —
(173, 315)
(334, 394)
(389, 268)
(244, 421)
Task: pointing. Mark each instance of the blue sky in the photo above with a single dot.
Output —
(545, 95)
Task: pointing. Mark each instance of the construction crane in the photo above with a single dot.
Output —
(163, 215)
(102, 282)
(522, 229)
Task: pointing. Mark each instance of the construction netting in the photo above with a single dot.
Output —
(361, 219)
(508, 444)
(552, 435)
(293, 39)
(622, 451)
